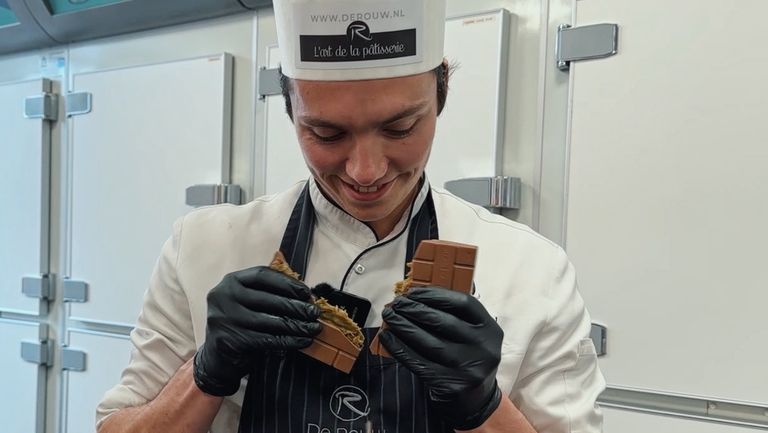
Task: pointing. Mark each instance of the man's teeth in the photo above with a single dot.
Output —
(366, 188)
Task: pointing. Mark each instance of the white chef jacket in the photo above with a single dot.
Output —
(548, 364)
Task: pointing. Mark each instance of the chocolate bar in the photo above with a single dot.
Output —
(446, 264)
(340, 338)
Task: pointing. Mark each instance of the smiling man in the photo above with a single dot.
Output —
(217, 343)
(369, 159)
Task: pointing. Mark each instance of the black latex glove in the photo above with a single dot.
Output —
(251, 312)
(453, 345)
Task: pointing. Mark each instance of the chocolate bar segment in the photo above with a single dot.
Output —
(344, 362)
(331, 347)
(322, 352)
(376, 347)
(446, 264)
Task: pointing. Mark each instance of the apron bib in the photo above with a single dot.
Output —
(289, 392)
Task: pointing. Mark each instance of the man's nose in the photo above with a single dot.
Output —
(367, 162)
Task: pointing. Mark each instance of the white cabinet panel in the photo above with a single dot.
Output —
(23, 146)
(622, 421)
(667, 214)
(284, 164)
(469, 132)
(20, 381)
(154, 131)
(106, 357)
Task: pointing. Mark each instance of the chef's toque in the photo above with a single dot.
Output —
(339, 40)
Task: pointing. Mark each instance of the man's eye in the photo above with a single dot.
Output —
(326, 135)
(399, 133)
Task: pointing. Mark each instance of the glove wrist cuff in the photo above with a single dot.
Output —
(210, 385)
(477, 419)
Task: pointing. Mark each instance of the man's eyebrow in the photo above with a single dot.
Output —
(410, 111)
(317, 122)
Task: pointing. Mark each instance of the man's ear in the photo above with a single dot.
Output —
(446, 70)
(443, 72)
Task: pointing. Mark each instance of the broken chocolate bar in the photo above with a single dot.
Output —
(340, 339)
(438, 263)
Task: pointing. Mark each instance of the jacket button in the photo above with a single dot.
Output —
(359, 269)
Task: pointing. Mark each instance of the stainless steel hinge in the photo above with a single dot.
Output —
(78, 103)
(44, 106)
(594, 41)
(500, 192)
(40, 353)
(72, 360)
(269, 82)
(598, 336)
(206, 195)
(37, 287)
(74, 291)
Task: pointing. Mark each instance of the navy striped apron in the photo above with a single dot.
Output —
(289, 392)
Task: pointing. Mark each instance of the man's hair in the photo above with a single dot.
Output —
(442, 73)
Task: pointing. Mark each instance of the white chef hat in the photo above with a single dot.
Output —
(340, 40)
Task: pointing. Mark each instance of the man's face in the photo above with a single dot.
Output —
(367, 142)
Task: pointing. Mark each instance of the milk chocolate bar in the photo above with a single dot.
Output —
(340, 338)
(446, 264)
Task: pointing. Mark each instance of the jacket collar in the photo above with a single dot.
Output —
(305, 217)
(343, 225)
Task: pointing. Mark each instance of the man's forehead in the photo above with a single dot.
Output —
(382, 116)
(408, 86)
(379, 100)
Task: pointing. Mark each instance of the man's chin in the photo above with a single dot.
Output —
(367, 217)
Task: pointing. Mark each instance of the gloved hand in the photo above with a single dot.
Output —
(251, 312)
(453, 345)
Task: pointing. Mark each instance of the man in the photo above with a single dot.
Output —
(365, 81)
